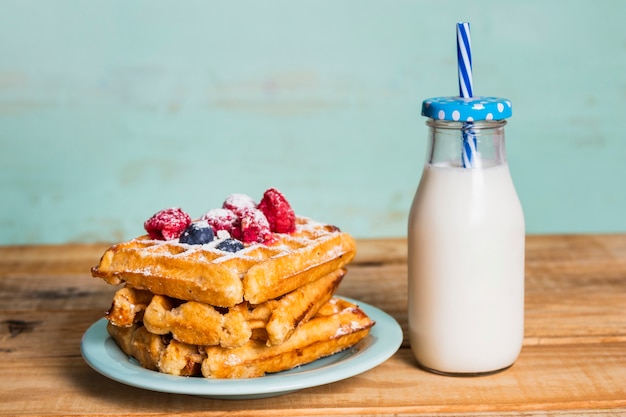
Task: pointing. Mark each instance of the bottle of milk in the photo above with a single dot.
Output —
(466, 243)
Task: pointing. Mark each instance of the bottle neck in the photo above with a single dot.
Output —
(477, 144)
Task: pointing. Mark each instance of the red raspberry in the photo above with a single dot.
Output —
(224, 219)
(238, 202)
(167, 224)
(255, 227)
(280, 215)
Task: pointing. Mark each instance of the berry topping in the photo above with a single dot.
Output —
(224, 219)
(278, 211)
(255, 227)
(230, 245)
(197, 234)
(238, 202)
(167, 224)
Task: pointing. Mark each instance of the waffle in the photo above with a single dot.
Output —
(201, 324)
(157, 353)
(204, 274)
(337, 325)
(128, 306)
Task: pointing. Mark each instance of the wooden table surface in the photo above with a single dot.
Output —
(573, 361)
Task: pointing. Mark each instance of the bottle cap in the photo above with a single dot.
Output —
(471, 109)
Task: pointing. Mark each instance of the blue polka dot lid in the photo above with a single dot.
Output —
(470, 109)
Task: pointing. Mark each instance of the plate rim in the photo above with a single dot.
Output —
(383, 341)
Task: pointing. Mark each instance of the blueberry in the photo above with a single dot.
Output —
(197, 234)
(230, 245)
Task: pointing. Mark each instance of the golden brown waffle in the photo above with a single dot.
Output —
(157, 353)
(337, 325)
(128, 306)
(279, 318)
(201, 324)
(202, 273)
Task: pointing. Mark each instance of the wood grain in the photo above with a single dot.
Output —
(573, 361)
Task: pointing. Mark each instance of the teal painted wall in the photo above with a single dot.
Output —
(112, 110)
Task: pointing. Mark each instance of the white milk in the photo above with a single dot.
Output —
(466, 270)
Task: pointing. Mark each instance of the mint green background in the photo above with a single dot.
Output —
(112, 110)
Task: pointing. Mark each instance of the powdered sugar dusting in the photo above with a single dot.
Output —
(224, 219)
(217, 213)
(232, 359)
(254, 226)
(237, 202)
(354, 326)
(167, 224)
(307, 231)
(222, 235)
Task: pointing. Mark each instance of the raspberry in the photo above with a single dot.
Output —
(167, 224)
(278, 211)
(238, 202)
(224, 219)
(255, 227)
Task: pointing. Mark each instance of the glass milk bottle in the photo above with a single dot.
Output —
(466, 243)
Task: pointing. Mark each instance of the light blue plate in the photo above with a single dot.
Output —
(102, 353)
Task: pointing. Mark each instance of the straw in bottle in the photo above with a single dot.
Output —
(466, 88)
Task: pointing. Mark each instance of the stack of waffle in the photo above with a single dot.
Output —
(197, 310)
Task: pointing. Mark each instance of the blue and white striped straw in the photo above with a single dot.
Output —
(466, 87)
(464, 55)
(469, 145)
